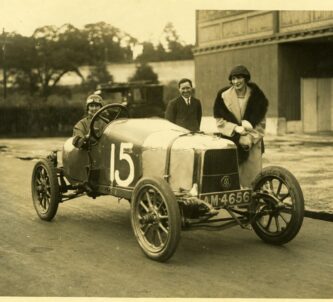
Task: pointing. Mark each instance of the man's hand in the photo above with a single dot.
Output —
(246, 141)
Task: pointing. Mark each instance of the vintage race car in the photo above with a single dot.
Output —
(174, 179)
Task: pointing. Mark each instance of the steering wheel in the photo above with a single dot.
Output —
(107, 114)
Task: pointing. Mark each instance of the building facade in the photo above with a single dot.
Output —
(289, 55)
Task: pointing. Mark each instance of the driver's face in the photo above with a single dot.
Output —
(93, 108)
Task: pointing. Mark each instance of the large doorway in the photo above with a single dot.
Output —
(317, 104)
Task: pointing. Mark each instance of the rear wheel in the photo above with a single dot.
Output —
(155, 218)
(279, 206)
(45, 189)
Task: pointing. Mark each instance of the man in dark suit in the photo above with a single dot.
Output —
(185, 110)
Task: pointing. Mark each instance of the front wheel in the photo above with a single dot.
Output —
(278, 207)
(155, 218)
(45, 189)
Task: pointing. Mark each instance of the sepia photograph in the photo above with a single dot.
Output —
(166, 150)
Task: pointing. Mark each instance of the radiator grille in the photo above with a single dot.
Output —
(220, 171)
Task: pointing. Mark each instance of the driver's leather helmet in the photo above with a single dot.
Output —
(94, 99)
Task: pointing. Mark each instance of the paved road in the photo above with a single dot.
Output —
(89, 250)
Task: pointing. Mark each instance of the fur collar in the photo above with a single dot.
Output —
(255, 111)
(230, 99)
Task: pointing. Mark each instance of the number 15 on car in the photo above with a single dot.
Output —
(124, 175)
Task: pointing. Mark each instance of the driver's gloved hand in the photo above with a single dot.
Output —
(80, 142)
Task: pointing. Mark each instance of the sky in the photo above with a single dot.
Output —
(143, 19)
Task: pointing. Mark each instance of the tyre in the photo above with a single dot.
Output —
(45, 189)
(155, 218)
(278, 207)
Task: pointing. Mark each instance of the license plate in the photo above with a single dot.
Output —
(229, 198)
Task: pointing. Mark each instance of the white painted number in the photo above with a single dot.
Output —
(115, 174)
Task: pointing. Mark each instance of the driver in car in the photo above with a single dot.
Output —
(81, 129)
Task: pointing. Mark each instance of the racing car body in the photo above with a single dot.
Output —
(134, 148)
(173, 179)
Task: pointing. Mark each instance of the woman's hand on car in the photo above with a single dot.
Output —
(246, 141)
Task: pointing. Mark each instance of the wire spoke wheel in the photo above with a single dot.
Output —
(45, 189)
(279, 206)
(155, 218)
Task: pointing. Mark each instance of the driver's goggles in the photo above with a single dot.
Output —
(92, 101)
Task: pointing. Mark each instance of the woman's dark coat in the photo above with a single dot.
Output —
(255, 112)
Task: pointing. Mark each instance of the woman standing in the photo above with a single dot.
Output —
(240, 111)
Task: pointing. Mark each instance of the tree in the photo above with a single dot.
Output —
(170, 48)
(144, 72)
(20, 60)
(58, 51)
(99, 74)
(38, 63)
(148, 53)
(176, 49)
(160, 52)
(107, 43)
